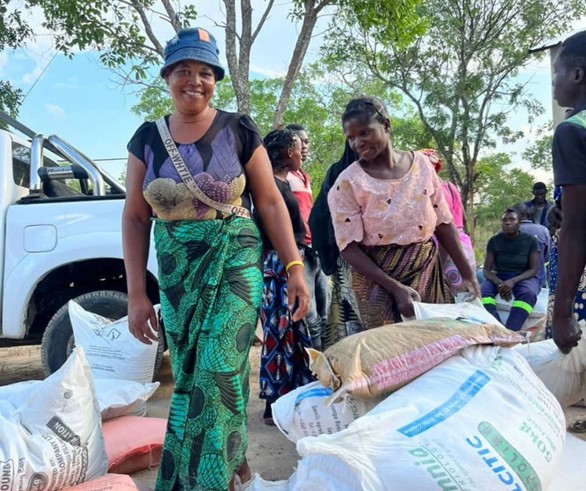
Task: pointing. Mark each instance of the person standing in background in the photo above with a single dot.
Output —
(569, 168)
(540, 232)
(314, 276)
(343, 314)
(454, 201)
(539, 203)
(284, 362)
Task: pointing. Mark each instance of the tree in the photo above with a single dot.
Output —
(539, 153)
(461, 76)
(123, 30)
(14, 32)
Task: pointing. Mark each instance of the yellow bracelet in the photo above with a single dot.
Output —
(290, 264)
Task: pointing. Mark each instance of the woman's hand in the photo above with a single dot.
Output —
(140, 314)
(470, 285)
(404, 297)
(297, 291)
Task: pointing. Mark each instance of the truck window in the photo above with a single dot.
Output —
(21, 167)
(21, 164)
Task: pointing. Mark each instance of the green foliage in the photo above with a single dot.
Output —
(14, 32)
(539, 153)
(499, 185)
(396, 22)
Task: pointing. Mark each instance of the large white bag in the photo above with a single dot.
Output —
(563, 375)
(470, 310)
(305, 411)
(112, 351)
(479, 421)
(570, 474)
(123, 398)
(50, 432)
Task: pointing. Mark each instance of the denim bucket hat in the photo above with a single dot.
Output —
(195, 44)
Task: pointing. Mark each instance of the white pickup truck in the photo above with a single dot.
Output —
(60, 239)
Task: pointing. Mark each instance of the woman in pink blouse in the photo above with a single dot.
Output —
(385, 208)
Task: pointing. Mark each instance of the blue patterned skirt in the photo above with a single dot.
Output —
(284, 363)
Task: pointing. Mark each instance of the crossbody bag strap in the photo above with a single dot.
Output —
(187, 178)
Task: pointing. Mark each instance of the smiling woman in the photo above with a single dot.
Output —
(197, 171)
(385, 209)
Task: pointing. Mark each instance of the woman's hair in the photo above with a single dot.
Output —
(365, 107)
(277, 142)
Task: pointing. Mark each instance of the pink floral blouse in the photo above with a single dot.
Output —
(401, 211)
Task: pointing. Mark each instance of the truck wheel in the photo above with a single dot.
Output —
(58, 342)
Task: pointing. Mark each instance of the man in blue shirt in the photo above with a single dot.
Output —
(540, 232)
(539, 204)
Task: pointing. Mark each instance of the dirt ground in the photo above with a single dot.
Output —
(24, 363)
(269, 453)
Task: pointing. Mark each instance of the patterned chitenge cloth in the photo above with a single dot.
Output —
(211, 287)
(414, 265)
(284, 363)
(343, 316)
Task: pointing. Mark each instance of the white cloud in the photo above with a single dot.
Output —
(55, 110)
(30, 77)
(70, 84)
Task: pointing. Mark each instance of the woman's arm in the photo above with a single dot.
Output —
(447, 235)
(277, 223)
(403, 295)
(136, 227)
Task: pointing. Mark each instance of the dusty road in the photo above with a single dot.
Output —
(269, 452)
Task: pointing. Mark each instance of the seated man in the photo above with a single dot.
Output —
(510, 269)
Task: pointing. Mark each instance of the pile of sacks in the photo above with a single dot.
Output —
(86, 419)
(438, 403)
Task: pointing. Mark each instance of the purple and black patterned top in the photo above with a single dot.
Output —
(216, 161)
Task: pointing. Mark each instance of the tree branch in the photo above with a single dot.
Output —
(173, 17)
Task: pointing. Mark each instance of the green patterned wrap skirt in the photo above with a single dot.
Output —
(211, 287)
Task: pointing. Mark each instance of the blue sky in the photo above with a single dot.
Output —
(80, 101)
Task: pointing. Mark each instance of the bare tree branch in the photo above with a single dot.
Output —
(173, 17)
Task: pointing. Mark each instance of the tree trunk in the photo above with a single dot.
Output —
(240, 85)
(312, 9)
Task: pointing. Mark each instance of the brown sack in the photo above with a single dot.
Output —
(373, 363)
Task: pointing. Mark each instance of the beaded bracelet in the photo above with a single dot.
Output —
(290, 264)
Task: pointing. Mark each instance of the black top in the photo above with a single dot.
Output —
(511, 255)
(569, 149)
(323, 238)
(293, 209)
(217, 161)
